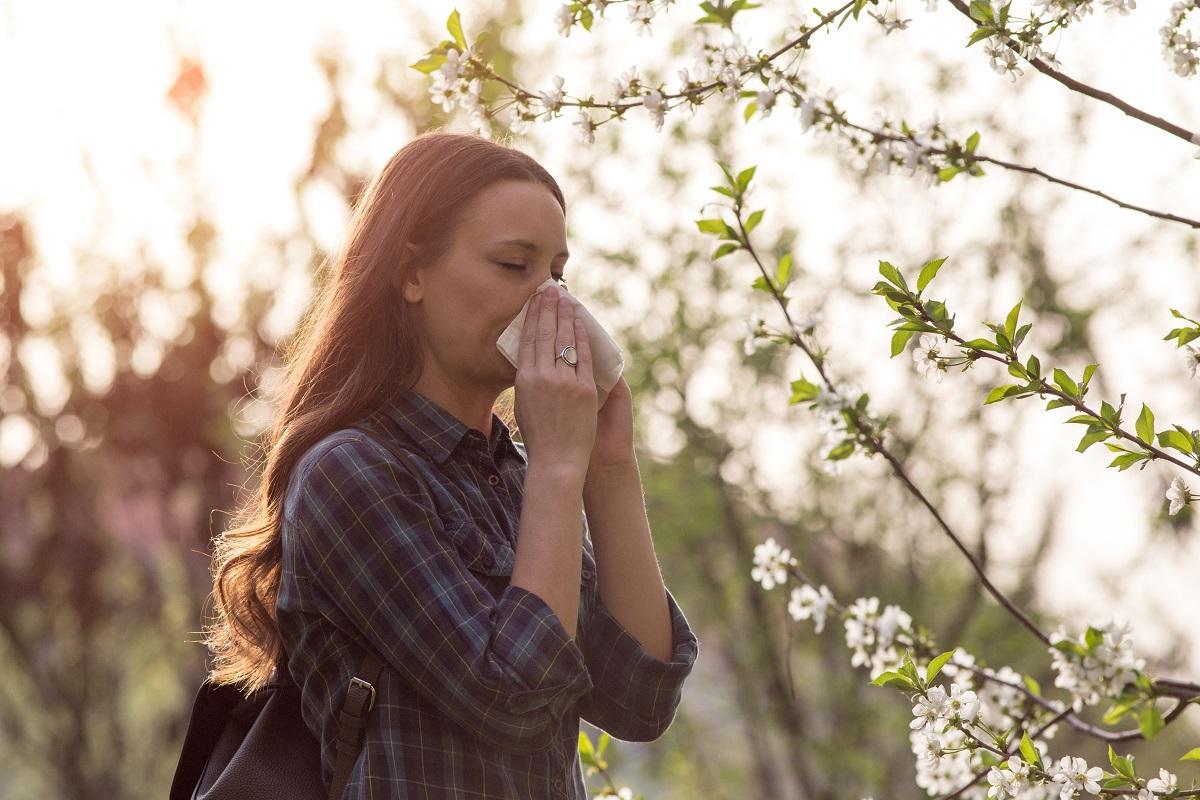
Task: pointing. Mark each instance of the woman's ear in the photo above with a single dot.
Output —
(407, 278)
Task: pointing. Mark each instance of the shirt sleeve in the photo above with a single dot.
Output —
(635, 695)
(503, 668)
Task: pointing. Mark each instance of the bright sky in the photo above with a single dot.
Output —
(86, 102)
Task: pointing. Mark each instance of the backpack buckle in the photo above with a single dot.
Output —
(363, 686)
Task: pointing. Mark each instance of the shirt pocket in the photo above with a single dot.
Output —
(481, 553)
(491, 558)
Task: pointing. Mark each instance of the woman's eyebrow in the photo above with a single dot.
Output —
(528, 245)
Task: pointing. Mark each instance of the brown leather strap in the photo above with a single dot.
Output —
(360, 697)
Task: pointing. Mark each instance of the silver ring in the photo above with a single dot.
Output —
(570, 359)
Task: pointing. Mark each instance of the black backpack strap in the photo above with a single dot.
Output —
(360, 698)
(360, 694)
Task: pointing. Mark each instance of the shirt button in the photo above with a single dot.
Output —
(493, 479)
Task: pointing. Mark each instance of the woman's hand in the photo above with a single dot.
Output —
(555, 402)
(614, 430)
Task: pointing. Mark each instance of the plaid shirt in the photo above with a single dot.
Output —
(482, 688)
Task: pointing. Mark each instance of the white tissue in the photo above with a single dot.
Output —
(607, 359)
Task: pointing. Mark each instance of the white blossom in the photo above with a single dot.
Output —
(1074, 774)
(641, 13)
(1074, 10)
(765, 100)
(925, 356)
(622, 85)
(1165, 783)
(563, 19)
(587, 128)
(1009, 781)
(1000, 703)
(963, 704)
(1104, 672)
(808, 602)
(1002, 58)
(654, 103)
(1180, 49)
(770, 563)
(806, 111)
(553, 98)
(931, 710)
(1122, 7)
(940, 772)
(1191, 356)
(1177, 495)
(890, 20)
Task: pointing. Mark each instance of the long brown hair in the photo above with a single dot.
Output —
(355, 348)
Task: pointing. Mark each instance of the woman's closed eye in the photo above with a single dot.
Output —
(521, 267)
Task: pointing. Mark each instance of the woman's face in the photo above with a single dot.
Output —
(511, 238)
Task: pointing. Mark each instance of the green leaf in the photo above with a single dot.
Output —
(1021, 331)
(429, 63)
(724, 250)
(892, 274)
(1145, 425)
(909, 669)
(454, 25)
(893, 679)
(1001, 392)
(899, 339)
(1127, 460)
(1034, 367)
(1091, 437)
(1065, 383)
(844, 449)
(1119, 709)
(585, 18)
(1094, 637)
(604, 739)
(947, 173)
(981, 11)
(1191, 755)
(749, 112)
(1010, 324)
(928, 272)
(783, 270)
(980, 344)
(1031, 684)
(586, 751)
(743, 178)
(936, 665)
(711, 225)
(1087, 373)
(1150, 721)
(753, 220)
(803, 390)
(979, 34)
(972, 141)
(1028, 751)
(1176, 440)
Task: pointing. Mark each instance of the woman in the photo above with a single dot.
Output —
(501, 611)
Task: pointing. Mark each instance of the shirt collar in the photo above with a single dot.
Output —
(438, 432)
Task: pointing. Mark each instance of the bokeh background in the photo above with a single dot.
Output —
(171, 174)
